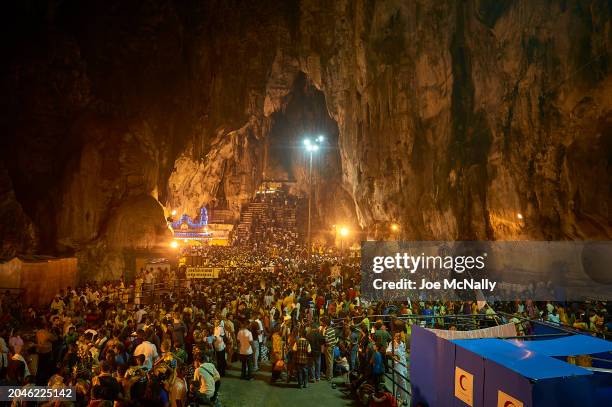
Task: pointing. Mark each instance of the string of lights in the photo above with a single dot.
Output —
(189, 221)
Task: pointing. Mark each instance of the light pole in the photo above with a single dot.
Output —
(312, 146)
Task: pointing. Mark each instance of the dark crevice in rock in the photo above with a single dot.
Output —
(471, 139)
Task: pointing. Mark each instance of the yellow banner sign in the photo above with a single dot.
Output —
(464, 386)
(203, 272)
(505, 400)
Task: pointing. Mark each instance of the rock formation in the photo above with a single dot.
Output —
(16, 229)
(483, 119)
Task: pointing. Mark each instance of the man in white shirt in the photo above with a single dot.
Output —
(148, 277)
(148, 282)
(258, 343)
(149, 351)
(268, 299)
(208, 376)
(139, 314)
(245, 341)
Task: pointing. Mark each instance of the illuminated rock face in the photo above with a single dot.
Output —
(475, 120)
(234, 159)
(453, 117)
(137, 225)
(456, 117)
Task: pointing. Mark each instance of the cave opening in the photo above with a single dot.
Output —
(304, 114)
(304, 117)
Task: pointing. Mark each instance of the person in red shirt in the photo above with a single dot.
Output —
(320, 302)
(351, 294)
(382, 398)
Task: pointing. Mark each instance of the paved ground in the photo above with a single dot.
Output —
(260, 392)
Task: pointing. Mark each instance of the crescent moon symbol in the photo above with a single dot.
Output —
(461, 382)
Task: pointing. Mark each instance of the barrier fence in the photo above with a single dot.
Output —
(460, 322)
(538, 330)
(13, 291)
(150, 293)
(559, 326)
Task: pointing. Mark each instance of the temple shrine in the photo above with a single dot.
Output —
(186, 228)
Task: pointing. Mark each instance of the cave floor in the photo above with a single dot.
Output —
(235, 392)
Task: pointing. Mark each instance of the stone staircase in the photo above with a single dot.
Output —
(266, 213)
(220, 216)
(252, 210)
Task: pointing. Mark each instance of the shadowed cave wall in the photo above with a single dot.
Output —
(452, 117)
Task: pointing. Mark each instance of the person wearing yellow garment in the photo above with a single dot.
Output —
(279, 305)
(288, 301)
(562, 316)
(474, 307)
(593, 321)
(581, 322)
(366, 323)
(57, 305)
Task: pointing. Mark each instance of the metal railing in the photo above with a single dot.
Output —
(14, 294)
(14, 291)
(461, 322)
(560, 326)
(148, 293)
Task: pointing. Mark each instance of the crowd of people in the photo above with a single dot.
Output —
(276, 223)
(299, 315)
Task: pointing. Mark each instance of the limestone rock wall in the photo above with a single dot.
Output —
(456, 117)
(234, 159)
(15, 222)
(470, 120)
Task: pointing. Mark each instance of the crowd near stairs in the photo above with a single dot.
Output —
(276, 209)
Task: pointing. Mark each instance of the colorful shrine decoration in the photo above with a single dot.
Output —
(185, 228)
